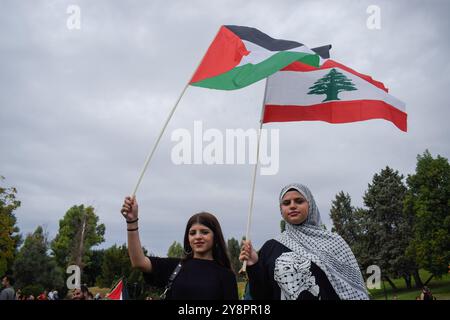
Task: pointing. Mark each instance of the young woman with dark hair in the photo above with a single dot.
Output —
(204, 273)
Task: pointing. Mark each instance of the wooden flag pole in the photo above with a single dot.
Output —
(150, 155)
(250, 212)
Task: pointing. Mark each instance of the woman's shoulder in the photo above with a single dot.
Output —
(164, 263)
(272, 247)
(271, 244)
(164, 259)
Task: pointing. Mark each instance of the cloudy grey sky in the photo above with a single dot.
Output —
(80, 109)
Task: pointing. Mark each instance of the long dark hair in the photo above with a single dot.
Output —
(220, 253)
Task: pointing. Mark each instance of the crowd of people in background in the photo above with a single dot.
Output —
(7, 292)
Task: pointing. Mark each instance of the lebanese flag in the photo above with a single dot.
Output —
(328, 64)
(333, 93)
(240, 56)
(119, 292)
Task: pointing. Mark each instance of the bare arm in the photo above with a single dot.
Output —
(138, 259)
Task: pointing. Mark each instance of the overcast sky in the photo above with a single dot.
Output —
(80, 108)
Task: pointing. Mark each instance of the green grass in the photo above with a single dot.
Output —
(241, 289)
(439, 287)
(102, 291)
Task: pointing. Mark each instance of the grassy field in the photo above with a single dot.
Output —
(241, 288)
(439, 287)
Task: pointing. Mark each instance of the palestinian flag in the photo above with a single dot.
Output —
(119, 292)
(334, 94)
(240, 56)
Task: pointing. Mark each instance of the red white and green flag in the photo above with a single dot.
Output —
(332, 93)
(119, 292)
(240, 56)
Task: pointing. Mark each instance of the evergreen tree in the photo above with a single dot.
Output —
(352, 225)
(386, 223)
(9, 232)
(343, 217)
(34, 267)
(282, 225)
(234, 250)
(331, 84)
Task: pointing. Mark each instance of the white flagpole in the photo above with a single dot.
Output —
(150, 155)
(250, 212)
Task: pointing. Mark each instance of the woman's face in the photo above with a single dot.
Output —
(201, 240)
(294, 207)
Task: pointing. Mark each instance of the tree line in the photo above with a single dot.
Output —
(405, 225)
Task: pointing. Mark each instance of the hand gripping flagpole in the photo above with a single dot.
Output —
(150, 155)
(250, 212)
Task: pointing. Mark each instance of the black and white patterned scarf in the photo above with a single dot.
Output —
(326, 249)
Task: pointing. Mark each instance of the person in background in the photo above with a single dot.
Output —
(8, 292)
(81, 293)
(426, 294)
(43, 296)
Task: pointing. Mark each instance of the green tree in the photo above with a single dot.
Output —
(34, 267)
(343, 216)
(175, 250)
(353, 226)
(9, 233)
(428, 199)
(79, 231)
(234, 249)
(331, 84)
(386, 223)
(115, 265)
(282, 225)
(364, 233)
(94, 268)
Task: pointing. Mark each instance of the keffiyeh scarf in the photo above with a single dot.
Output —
(327, 250)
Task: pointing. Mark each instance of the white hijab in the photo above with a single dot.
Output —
(327, 250)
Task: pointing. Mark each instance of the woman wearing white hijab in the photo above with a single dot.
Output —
(305, 262)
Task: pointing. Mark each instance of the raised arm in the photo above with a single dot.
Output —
(138, 259)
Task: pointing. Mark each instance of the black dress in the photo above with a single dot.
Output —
(264, 286)
(198, 279)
